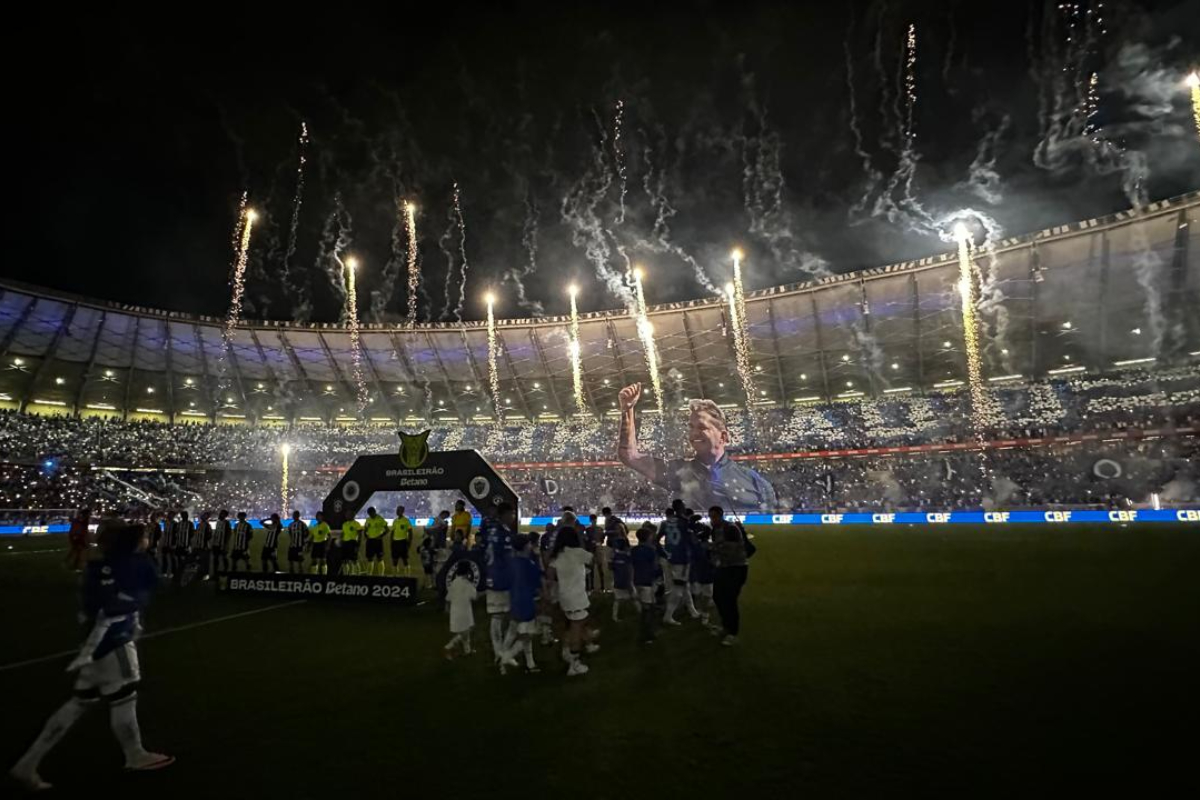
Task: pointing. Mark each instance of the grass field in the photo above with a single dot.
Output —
(874, 661)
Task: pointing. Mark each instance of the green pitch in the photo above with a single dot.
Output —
(874, 661)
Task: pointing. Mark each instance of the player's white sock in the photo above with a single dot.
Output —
(497, 632)
(56, 727)
(673, 600)
(510, 639)
(527, 646)
(689, 603)
(122, 715)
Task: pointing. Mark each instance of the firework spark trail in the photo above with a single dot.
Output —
(910, 84)
(983, 179)
(619, 157)
(738, 323)
(245, 225)
(493, 372)
(1193, 82)
(462, 256)
(529, 239)
(297, 200)
(356, 355)
(284, 452)
(575, 350)
(966, 290)
(762, 190)
(414, 273)
(444, 246)
(645, 331)
(654, 184)
(579, 210)
(873, 175)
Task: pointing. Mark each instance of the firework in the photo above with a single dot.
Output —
(735, 293)
(355, 339)
(298, 199)
(966, 291)
(285, 450)
(619, 156)
(462, 255)
(576, 357)
(1193, 82)
(910, 83)
(493, 373)
(414, 275)
(241, 239)
(645, 332)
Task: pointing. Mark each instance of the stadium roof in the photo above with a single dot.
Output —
(1085, 296)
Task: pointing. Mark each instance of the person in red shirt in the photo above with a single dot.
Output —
(77, 540)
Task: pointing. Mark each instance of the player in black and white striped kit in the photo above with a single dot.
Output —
(297, 542)
(220, 544)
(270, 548)
(241, 541)
(180, 539)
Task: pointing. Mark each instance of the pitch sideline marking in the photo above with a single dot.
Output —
(152, 635)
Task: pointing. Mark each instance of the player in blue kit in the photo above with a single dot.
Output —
(116, 589)
(643, 558)
(525, 585)
(496, 533)
(677, 541)
(701, 574)
(622, 576)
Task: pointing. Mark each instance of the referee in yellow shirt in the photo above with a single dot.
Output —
(461, 521)
(375, 529)
(319, 536)
(350, 531)
(402, 531)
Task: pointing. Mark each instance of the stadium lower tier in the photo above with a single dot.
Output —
(1120, 474)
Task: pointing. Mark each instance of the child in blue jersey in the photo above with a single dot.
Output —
(622, 576)
(524, 587)
(116, 589)
(643, 560)
(701, 574)
(496, 535)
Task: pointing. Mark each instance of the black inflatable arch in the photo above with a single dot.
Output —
(463, 471)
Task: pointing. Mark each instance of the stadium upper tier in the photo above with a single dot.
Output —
(1084, 297)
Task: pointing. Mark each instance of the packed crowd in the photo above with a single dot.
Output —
(1068, 405)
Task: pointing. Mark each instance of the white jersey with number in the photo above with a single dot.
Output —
(572, 565)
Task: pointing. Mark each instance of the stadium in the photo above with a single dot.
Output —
(859, 398)
(593, 402)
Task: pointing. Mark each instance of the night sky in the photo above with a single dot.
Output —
(131, 140)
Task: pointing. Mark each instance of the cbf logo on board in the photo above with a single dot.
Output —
(414, 448)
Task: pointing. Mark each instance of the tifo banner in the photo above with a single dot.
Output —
(396, 591)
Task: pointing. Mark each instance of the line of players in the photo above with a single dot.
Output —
(541, 583)
(185, 548)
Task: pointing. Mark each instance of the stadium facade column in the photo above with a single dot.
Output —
(687, 332)
(170, 373)
(1102, 304)
(616, 351)
(1035, 281)
(301, 375)
(137, 324)
(816, 309)
(210, 379)
(917, 341)
(50, 355)
(476, 376)
(437, 356)
(274, 377)
(377, 380)
(405, 361)
(512, 370)
(86, 378)
(549, 379)
(11, 336)
(1177, 303)
(345, 383)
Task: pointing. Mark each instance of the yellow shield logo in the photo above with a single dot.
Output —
(414, 448)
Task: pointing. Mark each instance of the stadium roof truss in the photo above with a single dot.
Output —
(1091, 296)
